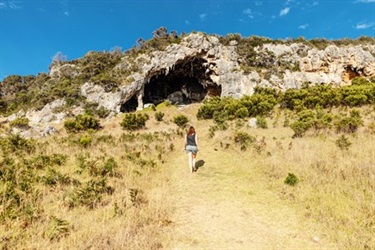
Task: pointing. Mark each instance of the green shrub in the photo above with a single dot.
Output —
(220, 117)
(159, 116)
(322, 120)
(355, 100)
(349, 124)
(357, 95)
(43, 161)
(359, 81)
(304, 122)
(232, 107)
(133, 121)
(20, 122)
(109, 167)
(54, 177)
(241, 113)
(57, 228)
(17, 143)
(180, 120)
(299, 128)
(81, 123)
(258, 104)
(89, 194)
(206, 111)
(261, 122)
(343, 142)
(291, 179)
(19, 197)
(85, 141)
(243, 139)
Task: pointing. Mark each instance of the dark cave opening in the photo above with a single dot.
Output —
(178, 90)
(130, 106)
(352, 72)
(187, 82)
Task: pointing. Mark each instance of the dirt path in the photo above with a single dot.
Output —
(221, 206)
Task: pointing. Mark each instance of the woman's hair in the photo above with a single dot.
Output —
(191, 130)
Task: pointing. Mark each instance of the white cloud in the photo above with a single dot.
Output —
(366, 1)
(202, 16)
(187, 22)
(285, 11)
(66, 13)
(11, 5)
(362, 26)
(14, 5)
(248, 13)
(303, 26)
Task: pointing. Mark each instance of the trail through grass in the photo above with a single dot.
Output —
(227, 204)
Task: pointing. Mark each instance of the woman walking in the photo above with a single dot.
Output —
(191, 147)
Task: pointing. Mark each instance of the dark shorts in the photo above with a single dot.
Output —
(192, 149)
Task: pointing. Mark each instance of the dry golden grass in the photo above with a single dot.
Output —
(237, 199)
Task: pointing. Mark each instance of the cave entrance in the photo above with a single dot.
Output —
(351, 72)
(130, 105)
(186, 83)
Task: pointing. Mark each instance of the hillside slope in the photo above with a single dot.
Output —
(116, 189)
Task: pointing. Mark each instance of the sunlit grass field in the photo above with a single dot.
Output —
(111, 189)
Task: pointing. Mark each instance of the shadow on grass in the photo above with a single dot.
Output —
(199, 164)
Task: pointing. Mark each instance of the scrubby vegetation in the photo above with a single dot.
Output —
(319, 163)
(61, 190)
(311, 105)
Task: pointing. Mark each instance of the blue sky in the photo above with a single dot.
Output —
(32, 32)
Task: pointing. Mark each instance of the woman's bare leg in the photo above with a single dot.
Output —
(190, 155)
(194, 161)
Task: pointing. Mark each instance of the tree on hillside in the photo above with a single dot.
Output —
(160, 33)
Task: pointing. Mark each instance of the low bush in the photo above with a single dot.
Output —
(206, 111)
(17, 143)
(20, 122)
(88, 194)
(85, 141)
(180, 120)
(261, 122)
(133, 121)
(81, 123)
(291, 179)
(241, 113)
(159, 116)
(343, 142)
(57, 228)
(349, 124)
(304, 122)
(243, 139)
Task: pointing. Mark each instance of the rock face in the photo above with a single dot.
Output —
(200, 66)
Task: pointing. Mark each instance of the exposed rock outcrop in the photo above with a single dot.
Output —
(202, 59)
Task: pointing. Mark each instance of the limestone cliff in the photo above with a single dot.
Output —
(201, 65)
